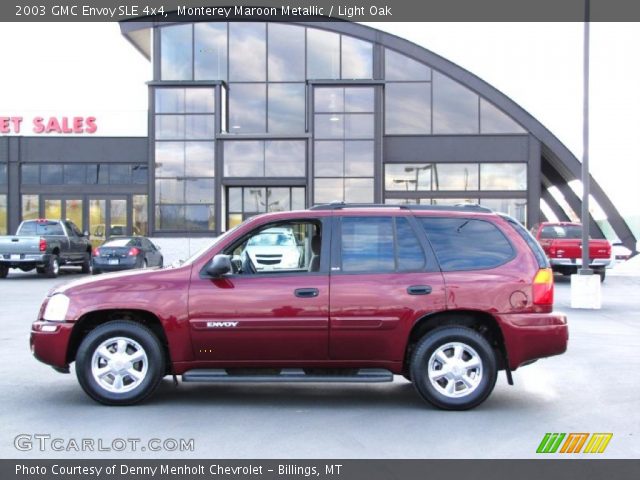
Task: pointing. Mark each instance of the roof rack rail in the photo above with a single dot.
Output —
(461, 207)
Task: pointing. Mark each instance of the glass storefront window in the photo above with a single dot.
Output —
(118, 213)
(200, 159)
(408, 108)
(401, 67)
(285, 158)
(3, 214)
(169, 100)
(119, 174)
(247, 52)
(455, 107)
(327, 190)
(328, 157)
(140, 217)
(503, 176)
(453, 201)
(170, 217)
(169, 127)
(97, 220)
(286, 53)
(494, 120)
(243, 158)
(139, 174)
(515, 207)
(408, 177)
(357, 58)
(323, 54)
(75, 174)
(358, 190)
(53, 209)
(199, 217)
(358, 158)
(199, 190)
(199, 100)
(176, 52)
(51, 174)
(272, 158)
(169, 159)
(286, 108)
(170, 191)
(30, 207)
(247, 108)
(73, 212)
(210, 51)
(30, 174)
(455, 176)
(199, 127)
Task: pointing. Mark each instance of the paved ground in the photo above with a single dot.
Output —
(595, 387)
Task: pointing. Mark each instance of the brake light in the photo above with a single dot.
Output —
(543, 287)
(96, 252)
(43, 244)
(133, 252)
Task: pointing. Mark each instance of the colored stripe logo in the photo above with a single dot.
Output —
(574, 443)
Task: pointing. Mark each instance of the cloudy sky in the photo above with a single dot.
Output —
(80, 69)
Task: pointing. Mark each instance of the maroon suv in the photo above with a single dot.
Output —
(444, 296)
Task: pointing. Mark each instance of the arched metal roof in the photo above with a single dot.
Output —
(565, 166)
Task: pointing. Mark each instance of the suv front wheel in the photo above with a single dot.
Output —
(454, 368)
(120, 363)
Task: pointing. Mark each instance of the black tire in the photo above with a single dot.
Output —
(130, 331)
(470, 340)
(407, 377)
(161, 264)
(86, 263)
(52, 269)
(4, 271)
(95, 271)
(40, 270)
(603, 274)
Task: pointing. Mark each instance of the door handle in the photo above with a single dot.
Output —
(419, 290)
(306, 292)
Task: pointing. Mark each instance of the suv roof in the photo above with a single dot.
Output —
(465, 207)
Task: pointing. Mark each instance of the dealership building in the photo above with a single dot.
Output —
(248, 117)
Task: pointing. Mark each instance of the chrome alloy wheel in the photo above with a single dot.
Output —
(119, 365)
(455, 370)
(55, 266)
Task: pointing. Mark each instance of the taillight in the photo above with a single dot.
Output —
(96, 252)
(133, 252)
(43, 244)
(543, 287)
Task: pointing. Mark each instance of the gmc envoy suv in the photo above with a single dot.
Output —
(445, 296)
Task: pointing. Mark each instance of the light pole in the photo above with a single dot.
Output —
(585, 270)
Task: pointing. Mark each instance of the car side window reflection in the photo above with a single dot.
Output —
(292, 247)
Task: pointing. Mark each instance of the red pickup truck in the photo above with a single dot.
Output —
(443, 296)
(562, 242)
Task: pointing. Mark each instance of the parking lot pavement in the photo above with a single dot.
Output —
(594, 387)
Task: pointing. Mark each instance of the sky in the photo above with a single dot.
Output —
(89, 69)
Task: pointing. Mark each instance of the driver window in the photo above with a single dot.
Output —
(282, 247)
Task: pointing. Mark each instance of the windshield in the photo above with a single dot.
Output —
(199, 253)
(272, 239)
(562, 231)
(123, 242)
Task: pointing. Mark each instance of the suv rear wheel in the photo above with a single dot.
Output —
(120, 363)
(454, 368)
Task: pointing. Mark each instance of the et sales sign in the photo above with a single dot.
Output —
(48, 125)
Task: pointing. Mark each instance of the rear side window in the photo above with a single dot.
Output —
(370, 245)
(467, 244)
(367, 244)
(536, 249)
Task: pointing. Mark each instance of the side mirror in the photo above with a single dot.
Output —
(218, 266)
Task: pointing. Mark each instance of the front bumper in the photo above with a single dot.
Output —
(530, 336)
(50, 347)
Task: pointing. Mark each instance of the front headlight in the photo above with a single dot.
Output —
(57, 307)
